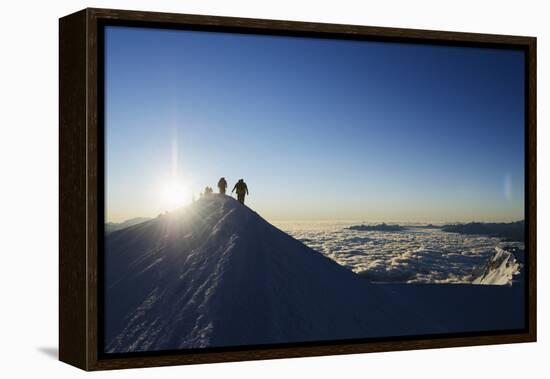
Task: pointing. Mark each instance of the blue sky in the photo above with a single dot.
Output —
(319, 129)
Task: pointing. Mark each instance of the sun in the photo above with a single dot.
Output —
(174, 195)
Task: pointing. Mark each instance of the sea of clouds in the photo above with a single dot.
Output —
(415, 255)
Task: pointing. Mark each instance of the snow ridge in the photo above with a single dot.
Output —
(216, 274)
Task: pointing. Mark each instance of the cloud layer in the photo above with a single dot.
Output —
(415, 255)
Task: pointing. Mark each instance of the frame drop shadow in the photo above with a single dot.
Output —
(50, 351)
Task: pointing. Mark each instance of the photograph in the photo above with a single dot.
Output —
(264, 190)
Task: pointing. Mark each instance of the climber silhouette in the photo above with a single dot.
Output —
(242, 190)
(222, 185)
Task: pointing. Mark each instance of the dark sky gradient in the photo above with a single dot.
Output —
(319, 129)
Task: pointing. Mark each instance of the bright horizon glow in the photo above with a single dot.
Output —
(319, 129)
(175, 194)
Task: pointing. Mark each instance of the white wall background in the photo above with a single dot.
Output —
(28, 172)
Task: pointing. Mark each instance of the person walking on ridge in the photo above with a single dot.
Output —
(242, 190)
(222, 185)
(207, 191)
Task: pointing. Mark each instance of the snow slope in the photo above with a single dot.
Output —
(216, 274)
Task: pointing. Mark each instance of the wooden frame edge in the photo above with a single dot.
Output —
(531, 159)
(72, 189)
(301, 352)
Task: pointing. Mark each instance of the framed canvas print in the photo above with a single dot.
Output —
(236, 189)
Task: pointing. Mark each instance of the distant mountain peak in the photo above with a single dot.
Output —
(114, 226)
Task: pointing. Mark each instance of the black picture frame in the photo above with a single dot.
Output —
(81, 197)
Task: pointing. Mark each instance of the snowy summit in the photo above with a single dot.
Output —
(216, 274)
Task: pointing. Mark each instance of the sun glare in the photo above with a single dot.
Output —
(174, 195)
